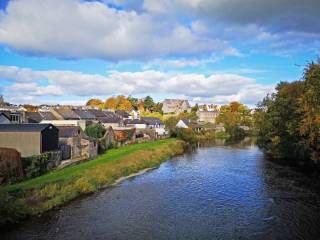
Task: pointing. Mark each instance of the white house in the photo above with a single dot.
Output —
(183, 123)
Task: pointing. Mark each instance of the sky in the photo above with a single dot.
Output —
(206, 51)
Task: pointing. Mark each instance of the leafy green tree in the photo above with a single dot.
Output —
(310, 109)
(95, 130)
(148, 103)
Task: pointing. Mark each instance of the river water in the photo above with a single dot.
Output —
(215, 192)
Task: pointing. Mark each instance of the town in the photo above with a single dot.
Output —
(69, 135)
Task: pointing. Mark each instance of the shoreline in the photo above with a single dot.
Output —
(33, 198)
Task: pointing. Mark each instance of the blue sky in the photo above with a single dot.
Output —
(205, 51)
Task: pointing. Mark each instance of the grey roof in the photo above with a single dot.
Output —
(152, 120)
(135, 121)
(29, 127)
(4, 118)
(47, 116)
(97, 113)
(33, 117)
(84, 114)
(122, 113)
(67, 113)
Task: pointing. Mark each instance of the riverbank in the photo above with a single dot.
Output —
(38, 195)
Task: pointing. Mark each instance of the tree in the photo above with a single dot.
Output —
(95, 130)
(124, 104)
(310, 109)
(134, 102)
(148, 103)
(110, 103)
(94, 102)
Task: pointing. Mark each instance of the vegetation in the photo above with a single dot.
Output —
(288, 121)
(234, 115)
(43, 193)
(95, 130)
(35, 166)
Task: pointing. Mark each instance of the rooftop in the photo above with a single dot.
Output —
(30, 127)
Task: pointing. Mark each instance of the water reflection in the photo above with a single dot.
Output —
(220, 191)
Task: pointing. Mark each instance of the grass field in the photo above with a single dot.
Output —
(35, 196)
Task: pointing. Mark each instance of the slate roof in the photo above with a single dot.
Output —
(105, 116)
(122, 113)
(135, 121)
(152, 120)
(84, 114)
(28, 127)
(33, 117)
(67, 113)
(4, 118)
(47, 116)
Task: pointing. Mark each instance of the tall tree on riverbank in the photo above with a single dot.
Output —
(310, 108)
(288, 121)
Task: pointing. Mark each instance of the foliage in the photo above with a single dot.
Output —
(310, 110)
(187, 134)
(170, 124)
(234, 114)
(288, 123)
(95, 130)
(35, 166)
(148, 103)
(110, 103)
(235, 132)
(95, 102)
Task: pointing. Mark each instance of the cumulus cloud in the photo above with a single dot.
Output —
(79, 29)
(220, 88)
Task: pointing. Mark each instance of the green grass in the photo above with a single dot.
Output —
(68, 173)
(38, 195)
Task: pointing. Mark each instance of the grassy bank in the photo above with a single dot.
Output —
(43, 193)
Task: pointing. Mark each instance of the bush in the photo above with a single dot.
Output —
(35, 166)
(235, 132)
(95, 130)
(187, 134)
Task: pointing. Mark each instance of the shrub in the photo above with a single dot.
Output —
(187, 134)
(35, 166)
(95, 130)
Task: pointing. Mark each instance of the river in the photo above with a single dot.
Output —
(214, 192)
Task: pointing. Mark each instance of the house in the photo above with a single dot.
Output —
(207, 116)
(106, 118)
(136, 123)
(156, 124)
(175, 106)
(208, 107)
(84, 114)
(33, 117)
(4, 119)
(29, 139)
(80, 145)
(64, 113)
(122, 114)
(16, 114)
(135, 114)
(188, 123)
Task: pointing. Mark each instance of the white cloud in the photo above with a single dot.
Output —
(78, 29)
(220, 88)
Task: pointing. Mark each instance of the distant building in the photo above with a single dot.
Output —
(175, 106)
(16, 114)
(29, 139)
(207, 116)
(156, 124)
(136, 123)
